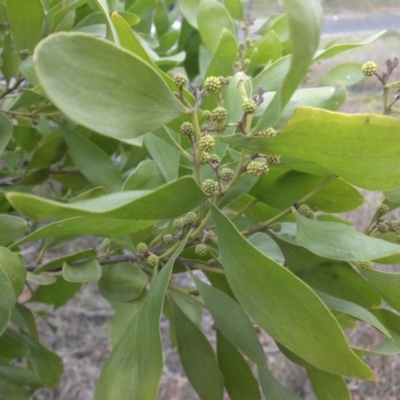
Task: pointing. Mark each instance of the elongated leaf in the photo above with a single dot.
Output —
(135, 365)
(342, 75)
(238, 379)
(189, 11)
(26, 320)
(324, 138)
(87, 271)
(304, 20)
(212, 19)
(387, 285)
(116, 96)
(339, 48)
(276, 299)
(6, 131)
(272, 76)
(122, 282)
(233, 322)
(26, 18)
(5, 314)
(272, 389)
(11, 228)
(197, 357)
(146, 176)
(93, 162)
(97, 226)
(339, 241)
(328, 386)
(124, 205)
(103, 5)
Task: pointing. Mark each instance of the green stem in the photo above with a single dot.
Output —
(186, 293)
(209, 269)
(385, 101)
(250, 204)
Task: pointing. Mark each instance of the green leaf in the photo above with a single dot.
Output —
(146, 176)
(238, 379)
(12, 347)
(281, 188)
(233, 322)
(337, 99)
(276, 299)
(18, 383)
(88, 157)
(339, 48)
(197, 357)
(189, 11)
(135, 365)
(272, 389)
(304, 21)
(106, 97)
(26, 19)
(340, 242)
(86, 271)
(103, 5)
(97, 226)
(11, 228)
(40, 279)
(122, 282)
(328, 386)
(344, 74)
(12, 277)
(386, 284)
(26, 320)
(324, 138)
(6, 131)
(56, 294)
(124, 205)
(212, 19)
(5, 314)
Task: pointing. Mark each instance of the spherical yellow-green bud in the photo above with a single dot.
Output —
(213, 236)
(266, 132)
(224, 80)
(141, 248)
(246, 61)
(273, 160)
(153, 260)
(212, 84)
(167, 238)
(179, 223)
(383, 209)
(207, 143)
(306, 211)
(369, 68)
(383, 228)
(201, 250)
(220, 127)
(205, 158)
(187, 128)
(226, 174)
(210, 186)
(277, 227)
(366, 265)
(191, 218)
(180, 80)
(207, 114)
(214, 159)
(257, 168)
(249, 106)
(219, 114)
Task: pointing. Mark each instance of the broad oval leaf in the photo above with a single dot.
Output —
(11, 228)
(276, 299)
(233, 322)
(345, 74)
(87, 271)
(340, 242)
(135, 365)
(103, 87)
(124, 205)
(5, 314)
(6, 131)
(122, 282)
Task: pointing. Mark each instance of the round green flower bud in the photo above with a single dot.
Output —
(141, 248)
(219, 114)
(277, 227)
(226, 174)
(153, 260)
(369, 68)
(256, 168)
(266, 132)
(180, 80)
(366, 265)
(213, 236)
(220, 127)
(306, 211)
(187, 128)
(207, 143)
(167, 238)
(212, 84)
(249, 106)
(191, 218)
(207, 114)
(383, 209)
(205, 158)
(179, 223)
(214, 159)
(224, 80)
(201, 250)
(273, 160)
(210, 186)
(383, 228)
(246, 61)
